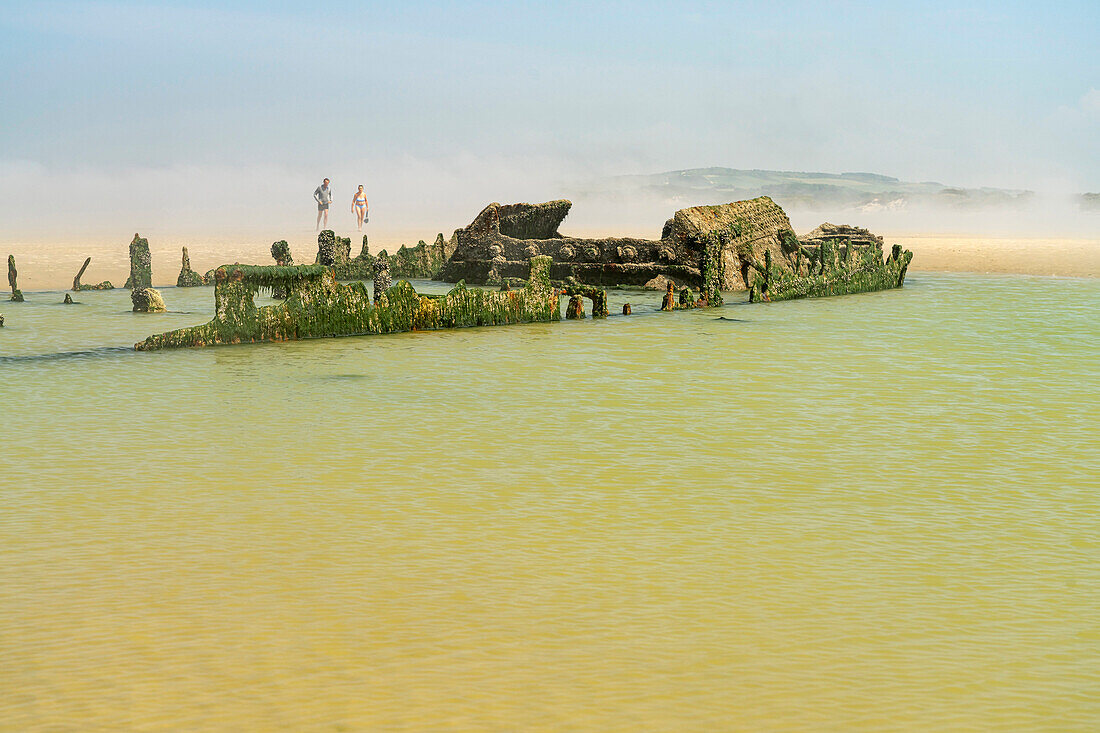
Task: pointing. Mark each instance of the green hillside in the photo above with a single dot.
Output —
(793, 189)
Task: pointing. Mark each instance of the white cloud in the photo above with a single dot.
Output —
(1090, 103)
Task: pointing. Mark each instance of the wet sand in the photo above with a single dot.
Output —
(1064, 257)
(52, 264)
(1060, 257)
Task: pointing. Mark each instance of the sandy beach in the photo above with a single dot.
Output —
(969, 253)
(45, 265)
(51, 264)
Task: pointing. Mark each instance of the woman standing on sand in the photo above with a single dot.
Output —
(359, 206)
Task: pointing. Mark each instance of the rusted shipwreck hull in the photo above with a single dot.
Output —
(744, 245)
(317, 306)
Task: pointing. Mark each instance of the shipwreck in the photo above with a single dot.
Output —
(703, 252)
(317, 306)
(741, 246)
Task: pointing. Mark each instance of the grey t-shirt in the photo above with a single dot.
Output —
(323, 194)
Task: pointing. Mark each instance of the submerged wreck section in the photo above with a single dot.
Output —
(705, 247)
(80, 287)
(710, 249)
(141, 264)
(495, 246)
(317, 306)
(335, 252)
(831, 269)
(423, 262)
(144, 297)
(148, 300)
(13, 281)
(188, 278)
(834, 259)
(280, 252)
(703, 251)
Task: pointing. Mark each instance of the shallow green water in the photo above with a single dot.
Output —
(875, 512)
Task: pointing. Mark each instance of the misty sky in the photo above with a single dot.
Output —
(193, 114)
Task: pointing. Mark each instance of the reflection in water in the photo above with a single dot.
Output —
(874, 512)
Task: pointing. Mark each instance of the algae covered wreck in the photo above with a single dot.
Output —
(703, 251)
(423, 261)
(744, 245)
(317, 306)
(830, 267)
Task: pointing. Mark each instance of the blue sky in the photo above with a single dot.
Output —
(461, 101)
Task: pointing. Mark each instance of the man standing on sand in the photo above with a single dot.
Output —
(323, 197)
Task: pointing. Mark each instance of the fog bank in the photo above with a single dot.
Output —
(413, 198)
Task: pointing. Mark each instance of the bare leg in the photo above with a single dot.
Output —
(326, 218)
(318, 219)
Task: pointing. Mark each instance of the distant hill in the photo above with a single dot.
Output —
(1089, 201)
(798, 190)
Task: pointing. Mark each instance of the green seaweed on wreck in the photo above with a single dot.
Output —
(188, 278)
(422, 262)
(81, 287)
(830, 269)
(141, 264)
(317, 306)
(280, 252)
(13, 274)
(712, 266)
(598, 296)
